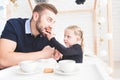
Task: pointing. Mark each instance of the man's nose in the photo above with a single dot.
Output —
(52, 25)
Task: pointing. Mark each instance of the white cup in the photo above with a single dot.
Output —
(67, 65)
(28, 66)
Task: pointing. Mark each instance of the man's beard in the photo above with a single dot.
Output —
(39, 29)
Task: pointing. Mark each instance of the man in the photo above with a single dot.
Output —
(22, 39)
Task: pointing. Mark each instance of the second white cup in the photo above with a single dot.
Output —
(67, 65)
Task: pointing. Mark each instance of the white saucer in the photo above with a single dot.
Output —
(19, 71)
(58, 71)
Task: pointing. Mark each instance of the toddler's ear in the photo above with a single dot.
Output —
(78, 38)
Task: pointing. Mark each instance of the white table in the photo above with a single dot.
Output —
(86, 71)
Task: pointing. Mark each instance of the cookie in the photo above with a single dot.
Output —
(48, 70)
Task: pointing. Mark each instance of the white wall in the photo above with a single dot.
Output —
(116, 29)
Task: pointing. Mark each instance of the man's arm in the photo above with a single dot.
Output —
(9, 58)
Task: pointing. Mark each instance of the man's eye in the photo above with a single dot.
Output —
(49, 20)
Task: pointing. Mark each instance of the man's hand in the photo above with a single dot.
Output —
(48, 52)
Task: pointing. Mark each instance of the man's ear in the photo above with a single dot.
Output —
(35, 16)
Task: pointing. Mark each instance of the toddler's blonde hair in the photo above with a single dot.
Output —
(77, 31)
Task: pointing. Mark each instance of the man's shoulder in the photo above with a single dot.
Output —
(16, 23)
(17, 19)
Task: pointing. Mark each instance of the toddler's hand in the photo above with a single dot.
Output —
(57, 55)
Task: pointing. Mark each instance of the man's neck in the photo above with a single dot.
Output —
(34, 31)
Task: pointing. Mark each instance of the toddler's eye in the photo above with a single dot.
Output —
(68, 36)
